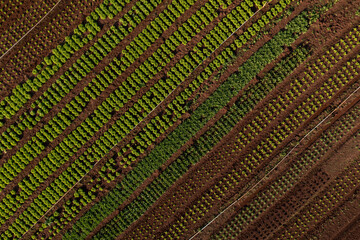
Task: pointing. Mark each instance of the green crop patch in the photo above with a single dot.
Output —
(182, 119)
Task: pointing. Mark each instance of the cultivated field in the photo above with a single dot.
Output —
(180, 119)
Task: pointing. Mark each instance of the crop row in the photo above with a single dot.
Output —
(107, 180)
(198, 210)
(76, 106)
(179, 168)
(170, 146)
(77, 40)
(171, 173)
(49, 132)
(199, 148)
(254, 159)
(113, 108)
(268, 197)
(110, 166)
(48, 135)
(341, 220)
(164, 121)
(88, 128)
(45, 70)
(51, 64)
(117, 92)
(251, 135)
(81, 35)
(325, 209)
(102, 153)
(24, 57)
(142, 144)
(98, 87)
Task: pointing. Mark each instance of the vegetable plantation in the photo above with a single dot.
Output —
(179, 119)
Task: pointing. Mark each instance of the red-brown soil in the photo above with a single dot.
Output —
(214, 207)
(351, 229)
(23, 23)
(221, 219)
(9, 14)
(91, 105)
(347, 182)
